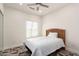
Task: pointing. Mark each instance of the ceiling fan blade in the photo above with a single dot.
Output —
(44, 5)
(31, 4)
(31, 8)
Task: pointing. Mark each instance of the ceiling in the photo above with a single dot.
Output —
(44, 11)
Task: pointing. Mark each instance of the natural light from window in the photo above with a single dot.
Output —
(31, 29)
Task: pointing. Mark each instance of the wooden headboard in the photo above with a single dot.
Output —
(61, 33)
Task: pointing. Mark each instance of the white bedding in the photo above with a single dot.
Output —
(42, 46)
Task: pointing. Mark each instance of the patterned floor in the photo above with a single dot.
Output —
(22, 51)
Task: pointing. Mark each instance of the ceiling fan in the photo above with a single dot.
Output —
(38, 6)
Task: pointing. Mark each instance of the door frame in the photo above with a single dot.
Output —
(2, 29)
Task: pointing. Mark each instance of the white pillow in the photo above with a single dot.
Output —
(53, 34)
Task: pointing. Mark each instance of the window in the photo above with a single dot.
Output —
(31, 29)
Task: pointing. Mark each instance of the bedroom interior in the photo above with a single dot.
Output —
(39, 29)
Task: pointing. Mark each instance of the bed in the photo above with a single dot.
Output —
(45, 45)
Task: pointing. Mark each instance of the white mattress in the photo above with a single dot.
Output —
(42, 46)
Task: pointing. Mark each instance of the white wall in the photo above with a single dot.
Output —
(15, 28)
(68, 19)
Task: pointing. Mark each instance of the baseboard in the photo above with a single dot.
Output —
(72, 50)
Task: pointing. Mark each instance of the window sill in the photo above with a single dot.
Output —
(33, 37)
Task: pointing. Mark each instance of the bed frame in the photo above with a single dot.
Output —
(61, 34)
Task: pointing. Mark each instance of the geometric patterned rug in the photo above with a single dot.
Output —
(22, 51)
